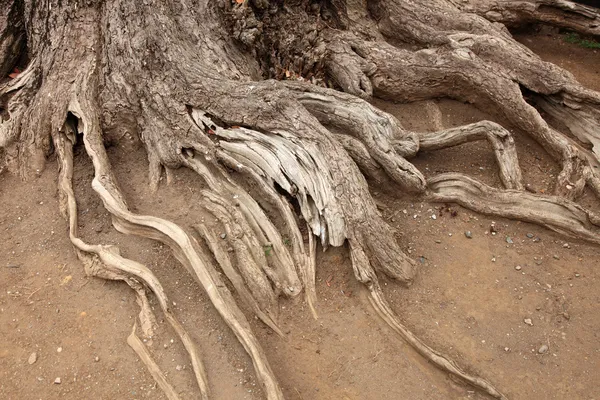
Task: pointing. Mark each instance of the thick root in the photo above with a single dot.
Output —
(331, 193)
(553, 212)
(559, 13)
(379, 132)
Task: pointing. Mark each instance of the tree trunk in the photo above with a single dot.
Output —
(273, 96)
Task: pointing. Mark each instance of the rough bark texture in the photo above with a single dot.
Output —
(198, 83)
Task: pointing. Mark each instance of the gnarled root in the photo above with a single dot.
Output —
(309, 165)
(560, 13)
(500, 139)
(553, 212)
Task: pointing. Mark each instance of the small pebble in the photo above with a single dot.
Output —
(556, 257)
(566, 246)
(528, 321)
(433, 216)
(438, 241)
(179, 368)
(577, 275)
(529, 235)
(57, 381)
(59, 350)
(507, 349)
(509, 240)
(469, 235)
(543, 349)
(518, 267)
(96, 359)
(32, 358)
(223, 235)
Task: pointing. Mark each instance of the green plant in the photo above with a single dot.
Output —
(576, 39)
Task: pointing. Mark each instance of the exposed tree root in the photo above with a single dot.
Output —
(106, 262)
(500, 139)
(553, 212)
(173, 78)
(560, 13)
(138, 346)
(365, 274)
(189, 254)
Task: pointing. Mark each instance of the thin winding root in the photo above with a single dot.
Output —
(553, 212)
(106, 262)
(501, 140)
(365, 274)
(186, 252)
(138, 346)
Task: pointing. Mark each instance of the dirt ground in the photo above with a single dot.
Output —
(470, 300)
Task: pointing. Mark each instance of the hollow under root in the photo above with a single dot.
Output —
(500, 139)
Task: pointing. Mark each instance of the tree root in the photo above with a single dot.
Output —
(559, 13)
(553, 212)
(297, 163)
(304, 258)
(138, 346)
(250, 255)
(106, 262)
(379, 132)
(189, 254)
(501, 140)
(365, 274)
(208, 112)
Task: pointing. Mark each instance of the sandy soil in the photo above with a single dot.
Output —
(469, 301)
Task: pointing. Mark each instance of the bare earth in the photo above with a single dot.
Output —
(470, 301)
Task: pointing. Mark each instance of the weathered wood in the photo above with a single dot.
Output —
(176, 78)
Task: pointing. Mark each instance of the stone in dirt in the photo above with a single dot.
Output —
(32, 358)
